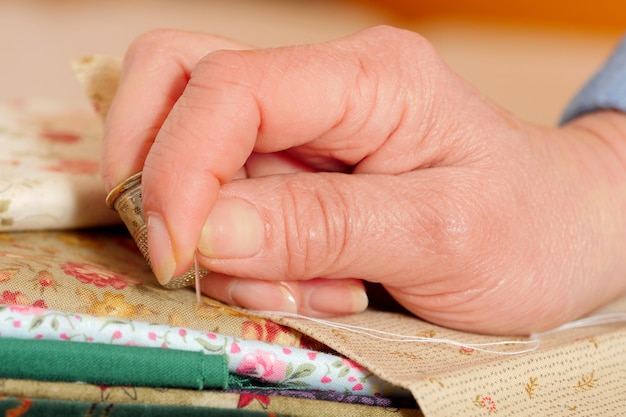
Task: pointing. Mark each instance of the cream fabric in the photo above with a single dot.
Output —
(49, 168)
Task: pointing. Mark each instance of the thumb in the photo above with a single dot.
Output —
(376, 227)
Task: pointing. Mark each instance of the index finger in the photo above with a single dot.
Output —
(156, 70)
(342, 100)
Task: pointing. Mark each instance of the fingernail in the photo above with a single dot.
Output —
(337, 299)
(160, 246)
(233, 230)
(262, 296)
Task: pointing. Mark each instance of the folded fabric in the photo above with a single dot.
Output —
(102, 273)
(280, 366)
(49, 168)
(283, 402)
(51, 360)
(37, 407)
(576, 370)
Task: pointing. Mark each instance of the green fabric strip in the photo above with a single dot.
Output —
(34, 407)
(101, 364)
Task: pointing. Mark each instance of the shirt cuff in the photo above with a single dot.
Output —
(605, 90)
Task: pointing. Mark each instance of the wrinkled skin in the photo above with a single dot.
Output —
(297, 173)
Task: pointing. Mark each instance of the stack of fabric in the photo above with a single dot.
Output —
(85, 329)
(80, 305)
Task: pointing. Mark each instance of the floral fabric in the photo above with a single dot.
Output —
(38, 407)
(101, 272)
(287, 367)
(292, 403)
(49, 172)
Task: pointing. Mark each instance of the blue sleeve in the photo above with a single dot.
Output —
(605, 90)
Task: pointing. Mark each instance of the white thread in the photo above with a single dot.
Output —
(197, 279)
(395, 337)
(529, 345)
(597, 320)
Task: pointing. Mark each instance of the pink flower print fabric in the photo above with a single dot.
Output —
(95, 275)
(49, 169)
(264, 365)
(285, 367)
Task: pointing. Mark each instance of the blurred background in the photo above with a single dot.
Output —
(531, 56)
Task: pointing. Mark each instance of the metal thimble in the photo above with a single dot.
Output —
(126, 200)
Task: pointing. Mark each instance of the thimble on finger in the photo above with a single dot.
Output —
(125, 198)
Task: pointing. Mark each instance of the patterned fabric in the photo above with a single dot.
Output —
(292, 403)
(286, 367)
(103, 274)
(582, 368)
(49, 173)
(37, 407)
(577, 371)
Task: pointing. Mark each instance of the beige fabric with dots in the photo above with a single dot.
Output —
(578, 372)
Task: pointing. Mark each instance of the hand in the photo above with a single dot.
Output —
(295, 173)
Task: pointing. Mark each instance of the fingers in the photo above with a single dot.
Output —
(156, 71)
(191, 121)
(444, 205)
(334, 106)
(263, 164)
(379, 228)
(313, 298)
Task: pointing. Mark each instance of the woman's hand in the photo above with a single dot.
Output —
(295, 173)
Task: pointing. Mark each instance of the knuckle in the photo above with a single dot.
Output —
(315, 228)
(164, 159)
(409, 40)
(156, 53)
(152, 42)
(224, 66)
(383, 32)
(224, 76)
(416, 64)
